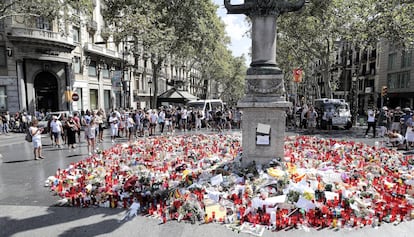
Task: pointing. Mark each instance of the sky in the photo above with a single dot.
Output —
(236, 27)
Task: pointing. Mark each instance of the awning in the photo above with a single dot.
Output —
(175, 96)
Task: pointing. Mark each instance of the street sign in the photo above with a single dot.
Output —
(75, 97)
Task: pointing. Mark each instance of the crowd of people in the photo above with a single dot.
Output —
(65, 130)
(395, 124)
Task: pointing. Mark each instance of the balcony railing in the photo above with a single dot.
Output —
(40, 34)
(141, 92)
(102, 50)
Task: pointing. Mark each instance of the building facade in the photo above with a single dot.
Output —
(54, 66)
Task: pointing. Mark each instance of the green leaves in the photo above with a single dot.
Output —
(310, 35)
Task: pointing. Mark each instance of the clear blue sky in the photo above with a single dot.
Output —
(236, 27)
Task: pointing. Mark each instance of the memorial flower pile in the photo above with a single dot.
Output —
(319, 183)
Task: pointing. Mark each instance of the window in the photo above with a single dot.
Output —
(42, 23)
(391, 61)
(75, 34)
(3, 98)
(406, 58)
(105, 72)
(399, 80)
(3, 53)
(76, 65)
(92, 69)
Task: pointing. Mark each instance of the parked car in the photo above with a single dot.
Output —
(45, 122)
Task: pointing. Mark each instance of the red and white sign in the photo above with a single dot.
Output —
(75, 97)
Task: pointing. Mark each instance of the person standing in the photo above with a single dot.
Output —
(409, 134)
(90, 135)
(329, 116)
(36, 133)
(56, 128)
(383, 120)
(237, 118)
(371, 122)
(183, 121)
(153, 122)
(161, 120)
(6, 122)
(311, 117)
(396, 116)
(113, 120)
(72, 129)
(100, 121)
(130, 127)
(168, 121)
(198, 116)
(78, 124)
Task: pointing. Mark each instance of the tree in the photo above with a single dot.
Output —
(310, 35)
(186, 29)
(49, 9)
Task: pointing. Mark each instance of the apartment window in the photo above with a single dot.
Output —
(3, 98)
(92, 69)
(43, 23)
(76, 34)
(76, 65)
(3, 55)
(406, 58)
(399, 80)
(105, 72)
(392, 61)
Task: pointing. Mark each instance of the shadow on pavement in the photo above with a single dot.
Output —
(10, 226)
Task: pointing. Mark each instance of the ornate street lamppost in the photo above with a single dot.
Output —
(150, 91)
(354, 96)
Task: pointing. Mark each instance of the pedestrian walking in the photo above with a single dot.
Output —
(36, 134)
(56, 128)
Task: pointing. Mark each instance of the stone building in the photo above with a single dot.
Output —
(43, 64)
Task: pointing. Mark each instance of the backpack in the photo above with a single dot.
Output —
(28, 137)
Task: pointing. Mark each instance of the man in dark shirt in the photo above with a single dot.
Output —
(396, 119)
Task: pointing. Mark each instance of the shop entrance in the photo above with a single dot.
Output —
(46, 92)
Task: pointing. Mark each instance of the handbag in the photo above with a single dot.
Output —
(28, 137)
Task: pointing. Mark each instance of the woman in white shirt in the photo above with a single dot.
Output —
(113, 120)
(36, 133)
(90, 135)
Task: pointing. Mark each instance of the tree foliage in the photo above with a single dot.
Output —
(189, 30)
(310, 35)
(50, 9)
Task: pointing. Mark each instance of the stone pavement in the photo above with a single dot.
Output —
(26, 207)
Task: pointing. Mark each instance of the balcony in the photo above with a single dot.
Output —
(34, 37)
(98, 49)
(140, 95)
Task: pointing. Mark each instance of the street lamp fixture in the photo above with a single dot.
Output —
(150, 91)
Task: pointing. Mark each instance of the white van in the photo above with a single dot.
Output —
(342, 114)
(205, 106)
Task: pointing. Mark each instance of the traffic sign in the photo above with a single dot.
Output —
(75, 97)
